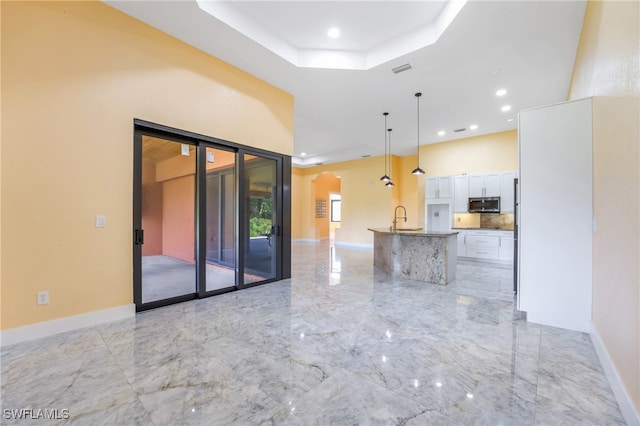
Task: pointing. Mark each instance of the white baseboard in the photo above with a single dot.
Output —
(337, 243)
(49, 328)
(354, 245)
(631, 416)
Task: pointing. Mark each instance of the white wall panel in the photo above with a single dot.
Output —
(555, 217)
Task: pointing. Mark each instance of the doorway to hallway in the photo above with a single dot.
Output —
(326, 190)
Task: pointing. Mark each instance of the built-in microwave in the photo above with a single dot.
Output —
(484, 205)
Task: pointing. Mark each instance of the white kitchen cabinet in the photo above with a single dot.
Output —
(476, 185)
(507, 195)
(461, 194)
(486, 244)
(483, 245)
(492, 184)
(484, 185)
(462, 243)
(505, 251)
(439, 187)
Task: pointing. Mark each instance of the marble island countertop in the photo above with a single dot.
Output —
(413, 231)
(416, 254)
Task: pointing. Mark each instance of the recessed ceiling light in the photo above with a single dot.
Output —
(473, 126)
(302, 154)
(501, 92)
(333, 33)
(506, 108)
(509, 119)
(441, 133)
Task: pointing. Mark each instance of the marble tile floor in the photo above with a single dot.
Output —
(337, 344)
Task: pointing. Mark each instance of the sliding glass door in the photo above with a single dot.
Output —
(207, 216)
(261, 222)
(220, 219)
(166, 237)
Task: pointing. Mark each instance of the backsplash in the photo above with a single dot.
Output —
(484, 220)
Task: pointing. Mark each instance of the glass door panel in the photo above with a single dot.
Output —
(168, 267)
(260, 218)
(220, 219)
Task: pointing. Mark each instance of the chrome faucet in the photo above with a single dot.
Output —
(395, 217)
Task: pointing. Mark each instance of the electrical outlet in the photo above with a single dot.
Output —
(43, 297)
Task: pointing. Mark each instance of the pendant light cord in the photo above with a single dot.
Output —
(389, 130)
(418, 121)
(418, 171)
(385, 143)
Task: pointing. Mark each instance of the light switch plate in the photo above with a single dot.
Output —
(43, 297)
(101, 221)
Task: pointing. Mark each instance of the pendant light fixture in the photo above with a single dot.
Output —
(390, 183)
(385, 178)
(418, 171)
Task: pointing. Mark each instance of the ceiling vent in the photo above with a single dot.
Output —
(459, 130)
(401, 68)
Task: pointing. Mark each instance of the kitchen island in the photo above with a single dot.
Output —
(416, 254)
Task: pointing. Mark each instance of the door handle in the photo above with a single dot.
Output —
(138, 238)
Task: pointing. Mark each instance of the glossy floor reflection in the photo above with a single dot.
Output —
(339, 343)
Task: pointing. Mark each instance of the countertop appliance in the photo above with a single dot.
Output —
(484, 205)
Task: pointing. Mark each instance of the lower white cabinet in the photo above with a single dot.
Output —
(462, 243)
(482, 246)
(506, 246)
(493, 245)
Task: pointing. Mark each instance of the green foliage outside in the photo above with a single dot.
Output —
(260, 217)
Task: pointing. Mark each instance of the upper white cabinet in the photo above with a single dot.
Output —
(461, 194)
(439, 187)
(507, 192)
(485, 185)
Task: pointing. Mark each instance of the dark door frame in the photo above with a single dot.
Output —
(201, 142)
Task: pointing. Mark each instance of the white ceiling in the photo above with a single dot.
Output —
(525, 47)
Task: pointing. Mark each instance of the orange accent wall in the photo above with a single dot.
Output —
(151, 210)
(222, 159)
(178, 218)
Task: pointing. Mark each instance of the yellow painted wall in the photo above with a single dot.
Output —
(1, 97)
(608, 67)
(300, 196)
(74, 76)
(366, 202)
(495, 152)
